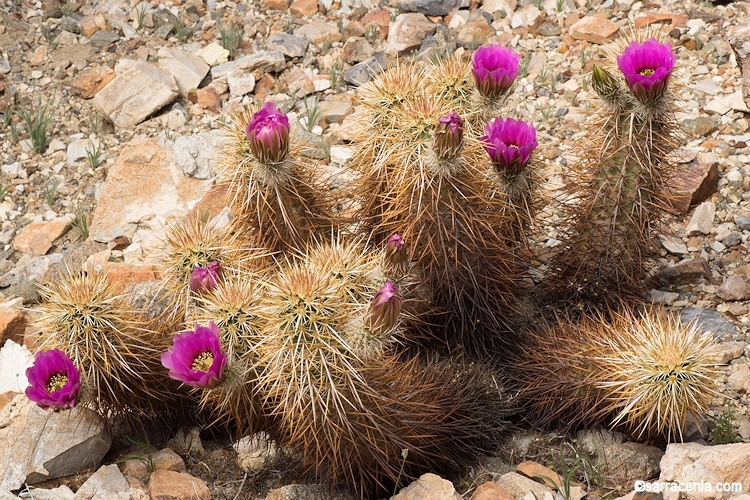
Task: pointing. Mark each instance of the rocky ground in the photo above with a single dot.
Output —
(134, 95)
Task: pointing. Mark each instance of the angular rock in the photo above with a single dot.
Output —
(594, 29)
(475, 33)
(357, 49)
(702, 220)
(107, 482)
(134, 95)
(710, 321)
(187, 442)
(739, 40)
(91, 81)
(303, 8)
(676, 20)
(518, 486)
(71, 25)
(37, 238)
(733, 288)
(15, 358)
(307, 492)
(104, 38)
(319, 31)
(407, 33)
(507, 6)
(276, 4)
(430, 7)
(634, 460)
(725, 352)
(699, 126)
(214, 54)
(187, 69)
(37, 445)
(171, 485)
(674, 245)
(693, 186)
(491, 491)
(12, 324)
(196, 154)
(661, 297)
(165, 459)
(361, 73)
(694, 463)
(206, 98)
(428, 487)
(525, 16)
(78, 150)
(241, 82)
(32, 271)
(685, 273)
(724, 104)
(290, 45)
(540, 473)
(143, 186)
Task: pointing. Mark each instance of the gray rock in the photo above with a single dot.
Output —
(699, 126)
(441, 45)
(256, 451)
(222, 69)
(38, 445)
(710, 321)
(196, 155)
(685, 273)
(104, 38)
(30, 272)
(107, 482)
(743, 223)
(361, 73)
(357, 49)
(163, 17)
(187, 69)
(270, 61)
(4, 64)
(307, 492)
(134, 95)
(634, 460)
(71, 25)
(164, 31)
(430, 7)
(290, 45)
(661, 297)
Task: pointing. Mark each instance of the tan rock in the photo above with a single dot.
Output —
(540, 473)
(303, 8)
(88, 23)
(694, 463)
(428, 487)
(142, 187)
(518, 486)
(381, 19)
(733, 288)
(276, 4)
(594, 29)
(124, 273)
(475, 33)
(7, 397)
(408, 32)
(692, 186)
(491, 491)
(40, 56)
(212, 202)
(12, 324)
(206, 98)
(675, 20)
(37, 238)
(88, 83)
(319, 31)
(171, 485)
(107, 482)
(165, 459)
(725, 352)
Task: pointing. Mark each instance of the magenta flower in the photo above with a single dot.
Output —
(495, 67)
(509, 143)
(385, 308)
(205, 279)
(196, 358)
(449, 136)
(395, 253)
(54, 380)
(268, 132)
(647, 67)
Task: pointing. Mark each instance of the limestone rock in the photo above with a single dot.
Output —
(196, 154)
(254, 452)
(361, 73)
(702, 220)
(319, 31)
(507, 6)
(428, 487)
(290, 45)
(107, 482)
(37, 238)
(684, 273)
(214, 54)
(407, 33)
(733, 288)
(525, 16)
(134, 95)
(739, 39)
(171, 485)
(187, 69)
(15, 358)
(695, 463)
(491, 491)
(724, 104)
(89, 82)
(143, 186)
(518, 486)
(12, 324)
(37, 445)
(269, 61)
(594, 29)
(303, 8)
(430, 7)
(727, 351)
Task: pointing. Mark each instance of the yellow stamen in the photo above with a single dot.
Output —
(203, 361)
(646, 72)
(56, 382)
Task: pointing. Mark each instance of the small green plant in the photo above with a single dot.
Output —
(231, 38)
(340, 26)
(38, 122)
(81, 222)
(336, 74)
(584, 57)
(48, 34)
(181, 31)
(144, 449)
(585, 82)
(4, 190)
(325, 47)
(559, 5)
(14, 134)
(544, 73)
(573, 463)
(723, 431)
(140, 14)
(9, 112)
(523, 65)
(169, 135)
(404, 454)
(311, 113)
(94, 124)
(371, 32)
(50, 190)
(539, 4)
(93, 153)
(68, 8)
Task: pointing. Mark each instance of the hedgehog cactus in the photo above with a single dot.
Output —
(643, 372)
(620, 182)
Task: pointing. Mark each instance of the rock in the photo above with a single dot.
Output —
(270, 61)
(254, 452)
(739, 40)
(307, 492)
(88, 25)
(71, 25)
(196, 154)
(361, 73)
(676, 20)
(674, 245)
(594, 29)
(491, 491)
(725, 352)
(37, 238)
(518, 486)
(4, 64)
(104, 38)
(334, 111)
(171, 485)
(685, 273)
(319, 31)
(540, 473)
(722, 105)
(241, 82)
(694, 463)
(107, 482)
(634, 460)
(27, 273)
(187, 69)
(430, 7)
(165, 459)
(15, 358)
(303, 8)
(59, 493)
(206, 98)
(702, 220)
(733, 288)
(491, 6)
(186, 443)
(143, 185)
(710, 321)
(407, 33)
(475, 33)
(739, 380)
(290, 45)
(693, 186)
(276, 4)
(666, 298)
(699, 126)
(37, 445)
(526, 16)
(78, 151)
(357, 49)
(428, 487)
(134, 95)
(214, 54)
(12, 325)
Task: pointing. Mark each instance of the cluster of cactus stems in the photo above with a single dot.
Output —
(405, 327)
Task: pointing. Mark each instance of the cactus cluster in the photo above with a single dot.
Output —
(407, 325)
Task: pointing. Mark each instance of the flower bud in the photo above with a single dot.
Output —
(396, 257)
(268, 133)
(604, 82)
(385, 308)
(449, 136)
(205, 279)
